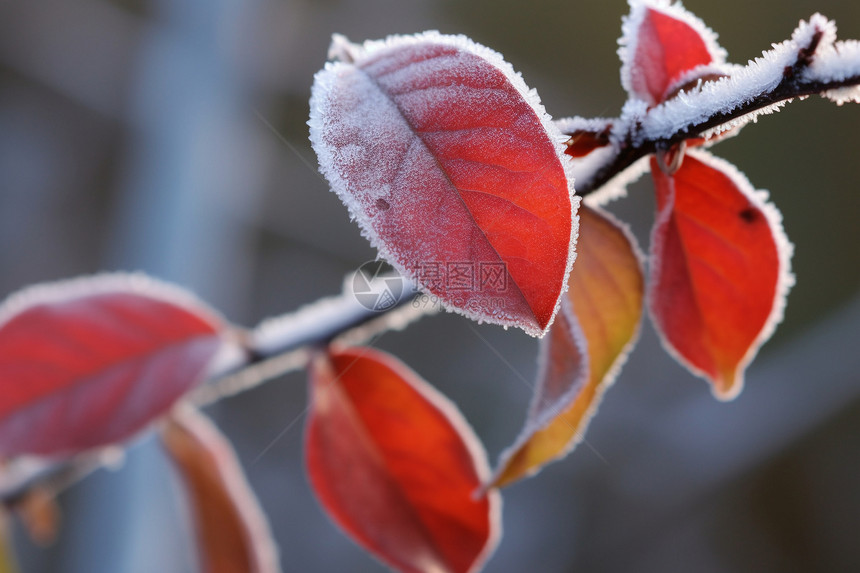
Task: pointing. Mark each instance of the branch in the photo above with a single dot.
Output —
(282, 344)
(21, 475)
(278, 346)
(810, 63)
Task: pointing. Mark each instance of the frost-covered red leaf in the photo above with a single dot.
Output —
(664, 47)
(230, 528)
(719, 269)
(585, 347)
(91, 361)
(452, 169)
(396, 466)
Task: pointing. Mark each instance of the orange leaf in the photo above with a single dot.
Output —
(585, 348)
(232, 533)
(396, 466)
(719, 269)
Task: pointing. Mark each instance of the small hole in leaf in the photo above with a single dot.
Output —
(749, 215)
(382, 205)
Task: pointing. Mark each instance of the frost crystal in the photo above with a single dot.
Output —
(837, 63)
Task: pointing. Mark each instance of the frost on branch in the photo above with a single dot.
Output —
(839, 62)
(803, 65)
(453, 171)
(587, 161)
(703, 106)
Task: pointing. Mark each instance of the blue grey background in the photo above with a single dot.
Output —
(131, 138)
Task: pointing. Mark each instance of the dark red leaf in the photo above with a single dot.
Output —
(585, 135)
(452, 169)
(396, 466)
(231, 530)
(719, 269)
(88, 362)
(661, 45)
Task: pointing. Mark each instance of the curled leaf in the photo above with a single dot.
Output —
(91, 361)
(453, 171)
(585, 347)
(231, 531)
(719, 269)
(585, 135)
(394, 464)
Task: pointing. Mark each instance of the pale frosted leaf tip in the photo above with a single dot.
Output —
(341, 49)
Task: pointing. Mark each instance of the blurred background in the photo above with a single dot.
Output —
(169, 136)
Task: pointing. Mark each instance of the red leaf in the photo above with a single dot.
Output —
(453, 170)
(88, 362)
(396, 466)
(586, 135)
(719, 269)
(662, 45)
(231, 530)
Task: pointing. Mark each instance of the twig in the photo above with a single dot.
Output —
(283, 344)
(641, 136)
(278, 346)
